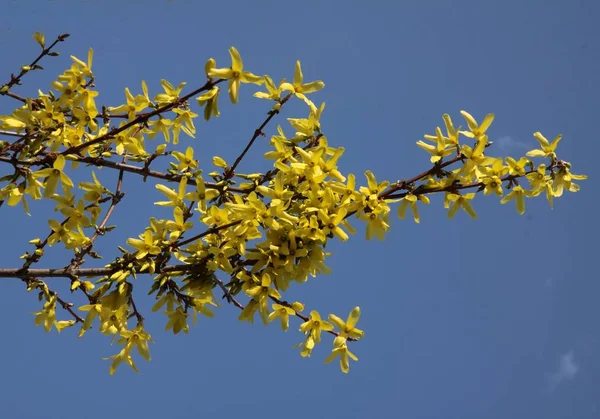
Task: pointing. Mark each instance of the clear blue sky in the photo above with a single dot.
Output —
(493, 318)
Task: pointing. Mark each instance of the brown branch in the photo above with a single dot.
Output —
(227, 294)
(136, 313)
(141, 171)
(205, 233)
(83, 272)
(15, 96)
(403, 184)
(68, 307)
(257, 133)
(41, 285)
(10, 133)
(457, 187)
(16, 80)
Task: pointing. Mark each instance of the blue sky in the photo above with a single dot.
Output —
(493, 318)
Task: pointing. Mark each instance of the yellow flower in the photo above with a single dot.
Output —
(85, 68)
(15, 194)
(475, 157)
(453, 132)
(331, 221)
(179, 225)
(247, 313)
(493, 184)
(411, 200)
(278, 193)
(201, 194)
(376, 223)
(548, 149)
(517, 168)
(93, 191)
(340, 348)
(76, 216)
(131, 140)
(171, 92)
(93, 311)
(185, 122)
(177, 321)
(159, 125)
(10, 123)
(307, 127)
(274, 93)
(235, 74)
(540, 182)
(563, 179)
(47, 316)
(220, 258)
(175, 198)
(87, 114)
(186, 161)
(315, 325)
(261, 292)
(299, 87)
(216, 216)
(372, 190)
(461, 201)
(475, 130)
(439, 150)
(53, 176)
(139, 338)
(133, 105)
(518, 194)
(144, 247)
(210, 99)
(348, 328)
(283, 313)
(307, 346)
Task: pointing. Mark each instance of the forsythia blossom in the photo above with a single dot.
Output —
(222, 234)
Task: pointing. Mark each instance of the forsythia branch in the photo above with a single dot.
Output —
(262, 231)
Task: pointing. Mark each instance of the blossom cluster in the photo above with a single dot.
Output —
(247, 236)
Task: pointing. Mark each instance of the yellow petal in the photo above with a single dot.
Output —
(236, 60)
(298, 76)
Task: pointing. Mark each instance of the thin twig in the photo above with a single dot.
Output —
(15, 80)
(257, 133)
(227, 295)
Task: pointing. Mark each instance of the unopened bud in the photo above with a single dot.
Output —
(210, 65)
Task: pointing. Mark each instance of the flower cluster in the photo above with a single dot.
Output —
(249, 236)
